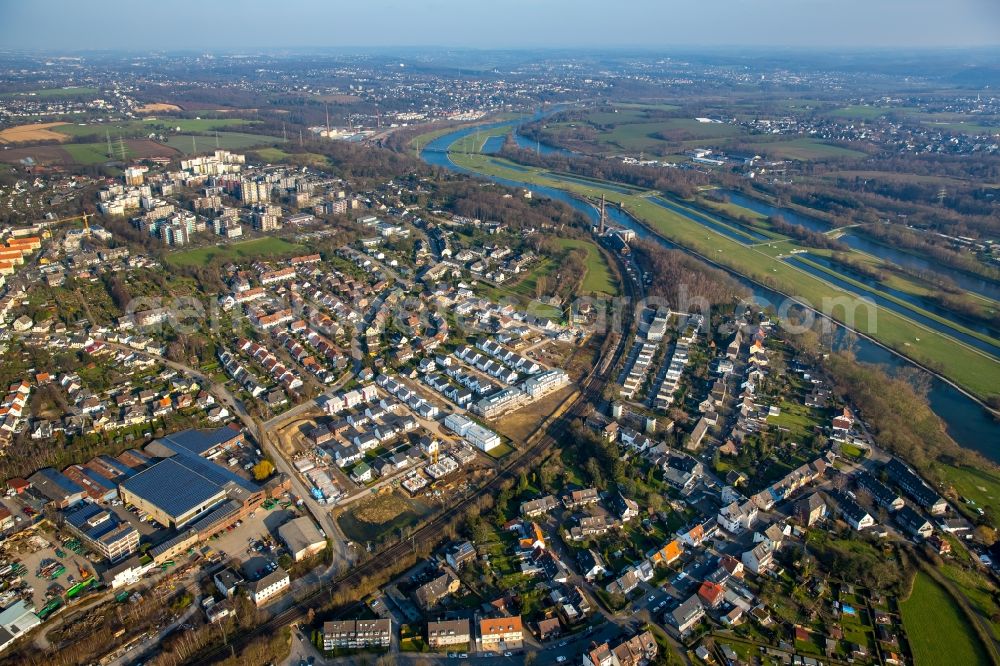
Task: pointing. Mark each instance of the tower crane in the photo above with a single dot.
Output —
(82, 216)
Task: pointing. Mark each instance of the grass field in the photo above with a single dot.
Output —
(935, 627)
(598, 279)
(982, 486)
(92, 153)
(189, 144)
(144, 127)
(803, 149)
(251, 249)
(902, 303)
(55, 93)
(860, 112)
(637, 129)
(964, 128)
(276, 154)
(153, 107)
(967, 367)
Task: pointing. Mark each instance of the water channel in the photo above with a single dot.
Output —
(966, 421)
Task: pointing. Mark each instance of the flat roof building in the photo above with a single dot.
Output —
(204, 443)
(172, 493)
(302, 538)
(103, 532)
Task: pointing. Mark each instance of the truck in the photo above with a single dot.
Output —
(79, 588)
(49, 608)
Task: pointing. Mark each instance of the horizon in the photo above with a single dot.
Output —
(811, 25)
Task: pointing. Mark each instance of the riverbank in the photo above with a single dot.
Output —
(971, 369)
(966, 418)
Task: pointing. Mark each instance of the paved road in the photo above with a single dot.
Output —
(342, 553)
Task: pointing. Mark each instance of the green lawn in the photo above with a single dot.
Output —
(798, 419)
(935, 627)
(242, 251)
(598, 278)
(93, 153)
(980, 485)
(189, 144)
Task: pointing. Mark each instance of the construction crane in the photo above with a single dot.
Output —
(82, 216)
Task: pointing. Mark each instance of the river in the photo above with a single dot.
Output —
(978, 285)
(966, 421)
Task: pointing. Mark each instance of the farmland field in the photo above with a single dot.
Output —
(32, 132)
(85, 153)
(189, 144)
(153, 107)
(92, 153)
(806, 149)
(150, 125)
(56, 92)
(262, 247)
(935, 626)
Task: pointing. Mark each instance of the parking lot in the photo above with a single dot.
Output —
(234, 544)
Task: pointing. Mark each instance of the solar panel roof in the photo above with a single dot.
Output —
(173, 487)
(199, 441)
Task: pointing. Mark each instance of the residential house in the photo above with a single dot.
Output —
(446, 633)
(501, 634)
(686, 615)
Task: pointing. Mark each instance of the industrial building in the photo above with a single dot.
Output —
(184, 487)
(56, 487)
(302, 538)
(103, 532)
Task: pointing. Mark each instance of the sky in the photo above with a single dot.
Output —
(248, 25)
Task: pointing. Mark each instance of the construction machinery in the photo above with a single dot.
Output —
(46, 233)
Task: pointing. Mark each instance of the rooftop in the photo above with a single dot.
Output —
(173, 487)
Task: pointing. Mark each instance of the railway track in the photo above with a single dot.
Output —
(434, 531)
